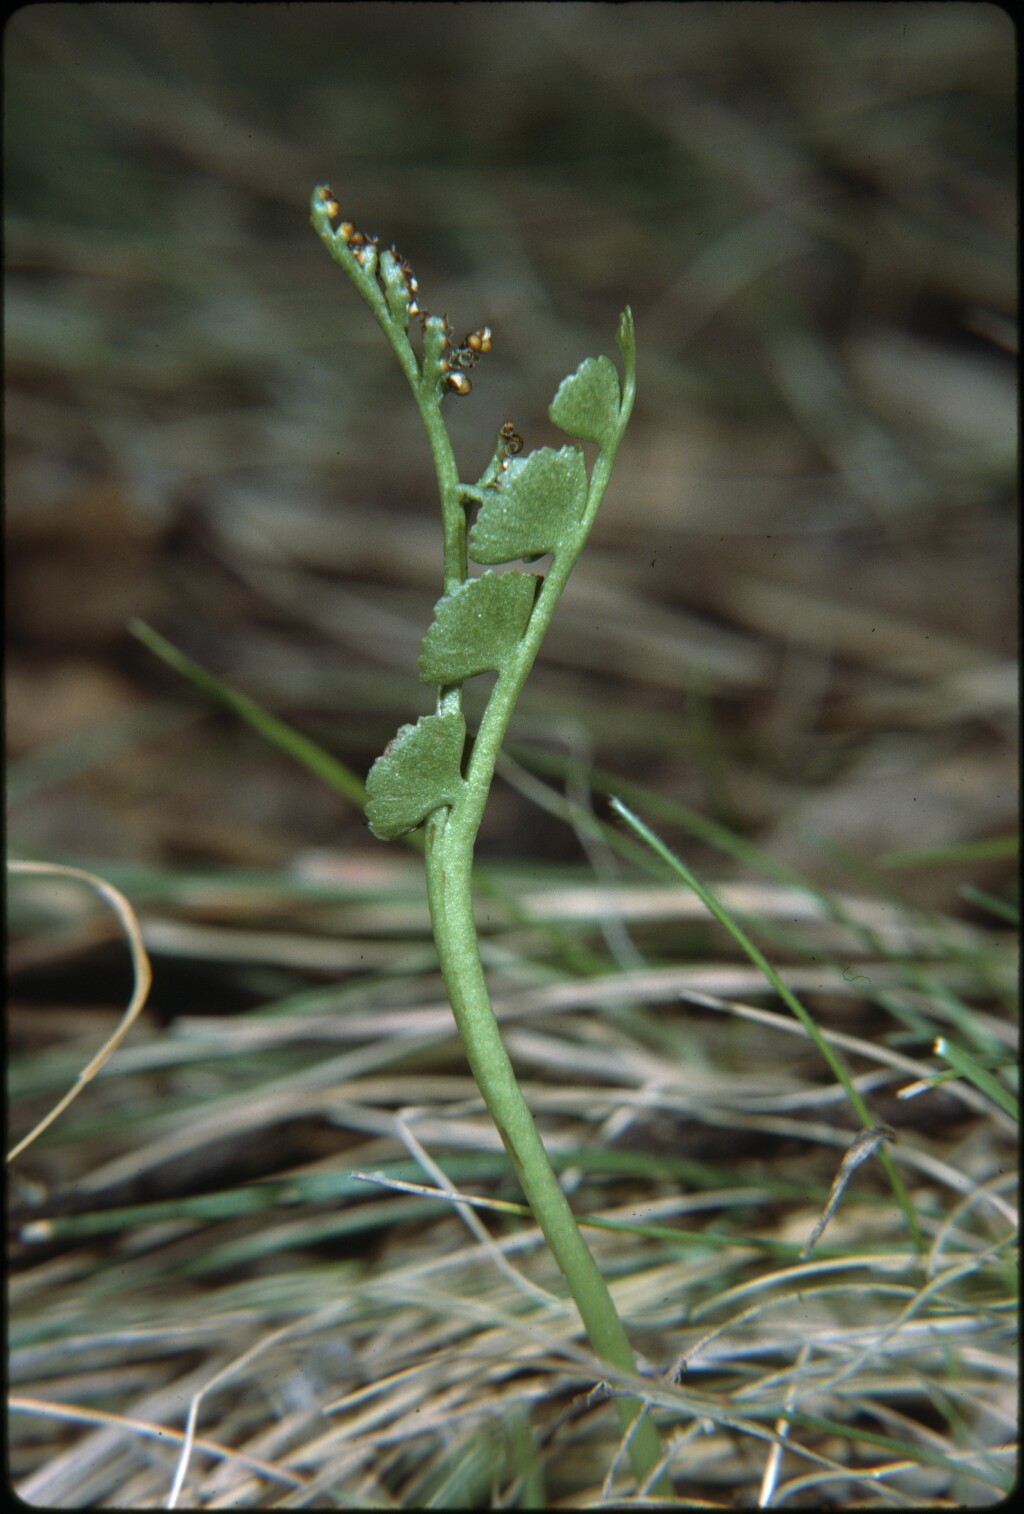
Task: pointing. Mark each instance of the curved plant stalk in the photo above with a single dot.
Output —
(143, 976)
(529, 507)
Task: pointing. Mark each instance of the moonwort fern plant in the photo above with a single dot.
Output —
(431, 774)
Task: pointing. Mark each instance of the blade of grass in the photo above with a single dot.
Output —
(311, 755)
(785, 993)
(982, 899)
(983, 1080)
(991, 849)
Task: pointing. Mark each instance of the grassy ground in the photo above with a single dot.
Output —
(790, 647)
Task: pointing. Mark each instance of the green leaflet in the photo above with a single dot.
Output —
(421, 770)
(587, 402)
(477, 627)
(536, 509)
(625, 340)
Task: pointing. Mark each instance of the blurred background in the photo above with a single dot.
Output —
(798, 608)
(794, 628)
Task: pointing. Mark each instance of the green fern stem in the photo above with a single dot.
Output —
(449, 863)
(419, 778)
(451, 839)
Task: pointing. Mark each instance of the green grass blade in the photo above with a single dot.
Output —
(990, 849)
(982, 1079)
(305, 751)
(785, 993)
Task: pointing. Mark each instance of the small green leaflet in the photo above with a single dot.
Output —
(587, 402)
(537, 509)
(625, 340)
(477, 627)
(421, 770)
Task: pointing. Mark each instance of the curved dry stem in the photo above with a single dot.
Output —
(140, 966)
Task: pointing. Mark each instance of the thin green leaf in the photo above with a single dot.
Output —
(587, 402)
(477, 627)
(982, 1079)
(419, 772)
(990, 849)
(1003, 909)
(536, 510)
(759, 959)
(285, 737)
